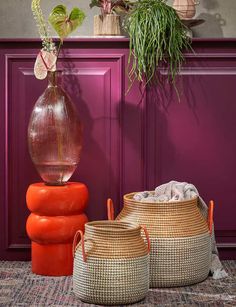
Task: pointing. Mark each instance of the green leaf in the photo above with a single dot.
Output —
(94, 3)
(64, 24)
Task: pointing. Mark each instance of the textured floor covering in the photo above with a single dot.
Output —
(19, 287)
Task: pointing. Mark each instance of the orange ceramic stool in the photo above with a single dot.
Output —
(57, 213)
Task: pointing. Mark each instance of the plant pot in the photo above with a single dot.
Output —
(54, 134)
(108, 24)
(186, 9)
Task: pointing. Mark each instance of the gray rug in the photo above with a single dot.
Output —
(19, 287)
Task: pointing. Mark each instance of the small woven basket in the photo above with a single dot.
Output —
(111, 263)
(180, 239)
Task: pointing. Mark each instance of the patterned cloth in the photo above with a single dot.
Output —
(20, 288)
(175, 191)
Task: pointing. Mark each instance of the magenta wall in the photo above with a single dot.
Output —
(130, 143)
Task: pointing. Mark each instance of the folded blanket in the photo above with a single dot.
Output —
(180, 191)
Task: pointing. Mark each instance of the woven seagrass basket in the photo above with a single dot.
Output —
(111, 263)
(180, 239)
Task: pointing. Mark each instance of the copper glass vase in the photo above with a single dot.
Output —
(54, 134)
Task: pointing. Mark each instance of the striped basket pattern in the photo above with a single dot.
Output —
(179, 261)
(111, 263)
(180, 239)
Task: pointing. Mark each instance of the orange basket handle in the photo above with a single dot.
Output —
(110, 210)
(147, 237)
(210, 215)
(79, 233)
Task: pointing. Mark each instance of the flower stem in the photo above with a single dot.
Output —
(59, 49)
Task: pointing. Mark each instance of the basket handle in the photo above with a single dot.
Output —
(110, 210)
(210, 215)
(79, 233)
(147, 237)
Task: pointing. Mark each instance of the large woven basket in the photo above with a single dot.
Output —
(180, 239)
(111, 263)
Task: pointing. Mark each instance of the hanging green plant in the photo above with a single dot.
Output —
(157, 36)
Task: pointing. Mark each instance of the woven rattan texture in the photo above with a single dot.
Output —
(106, 239)
(180, 240)
(111, 281)
(176, 219)
(179, 261)
(116, 270)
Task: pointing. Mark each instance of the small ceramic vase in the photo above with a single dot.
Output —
(186, 9)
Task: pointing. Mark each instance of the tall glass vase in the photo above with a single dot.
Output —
(55, 134)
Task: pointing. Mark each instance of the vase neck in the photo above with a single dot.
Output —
(54, 78)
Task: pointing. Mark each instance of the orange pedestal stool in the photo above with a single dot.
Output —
(56, 215)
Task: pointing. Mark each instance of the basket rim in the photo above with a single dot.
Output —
(107, 226)
(128, 196)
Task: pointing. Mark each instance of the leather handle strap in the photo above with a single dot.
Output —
(110, 210)
(75, 243)
(147, 237)
(210, 215)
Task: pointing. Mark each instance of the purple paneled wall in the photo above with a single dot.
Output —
(132, 141)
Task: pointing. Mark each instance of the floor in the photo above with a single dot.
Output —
(19, 287)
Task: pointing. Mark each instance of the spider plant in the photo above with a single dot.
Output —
(111, 6)
(157, 37)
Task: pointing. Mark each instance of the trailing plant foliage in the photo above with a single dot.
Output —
(157, 36)
(111, 6)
